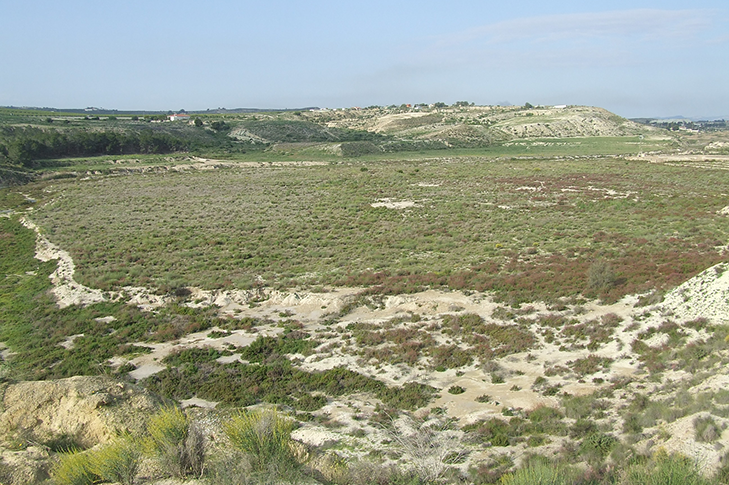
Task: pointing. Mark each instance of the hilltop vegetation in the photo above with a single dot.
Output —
(31, 138)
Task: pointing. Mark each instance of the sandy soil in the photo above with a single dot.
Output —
(391, 204)
(66, 290)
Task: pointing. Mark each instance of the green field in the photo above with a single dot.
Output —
(528, 229)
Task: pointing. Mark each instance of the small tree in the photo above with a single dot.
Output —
(198, 122)
(219, 125)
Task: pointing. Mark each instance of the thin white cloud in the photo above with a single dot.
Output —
(641, 23)
(721, 39)
(624, 38)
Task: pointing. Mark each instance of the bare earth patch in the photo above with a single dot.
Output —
(391, 204)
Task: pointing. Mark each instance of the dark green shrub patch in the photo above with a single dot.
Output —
(191, 356)
(269, 349)
(499, 432)
(278, 382)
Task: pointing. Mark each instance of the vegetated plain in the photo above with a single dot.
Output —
(519, 234)
(527, 229)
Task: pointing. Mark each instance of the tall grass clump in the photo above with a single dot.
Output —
(74, 468)
(539, 473)
(265, 438)
(176, 443)
(118, 461)
(666, 469)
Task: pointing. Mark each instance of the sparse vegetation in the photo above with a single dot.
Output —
(552, 229)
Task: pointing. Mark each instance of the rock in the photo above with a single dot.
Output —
(84, 411)
(26, 466)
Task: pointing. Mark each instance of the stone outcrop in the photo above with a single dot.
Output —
(42, 416)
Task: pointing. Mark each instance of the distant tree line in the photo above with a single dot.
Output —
(25, 146)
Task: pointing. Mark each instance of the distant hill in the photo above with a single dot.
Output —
(115, 112)
(480, 125)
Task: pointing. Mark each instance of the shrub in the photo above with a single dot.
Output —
(600, 276)
(582, 427)
(176, 442)
(456, 390)
(117, 461)
(74, 468)
(229, 468)
(540, 473)
(577, 407)
(449, 356)
(265, 437)
(430, 446)
(666, 469)
(706, 430)
(597, 446)
(591, 364)
(494, 431)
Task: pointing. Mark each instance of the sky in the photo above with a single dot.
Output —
(637, 58)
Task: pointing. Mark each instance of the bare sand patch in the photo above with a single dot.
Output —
(704, 296)
(65, 288)
(391, 204)
(198, 403)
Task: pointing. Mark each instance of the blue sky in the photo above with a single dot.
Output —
(637, 58)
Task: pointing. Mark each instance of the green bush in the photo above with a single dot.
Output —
(265, 437)
(539, 473)
(666, 469)
(597, 446)
(230, 467)
(74, 468)
(117, 461)
(706, 430)
(176, 443)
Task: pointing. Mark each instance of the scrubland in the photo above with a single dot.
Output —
(526, 309)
